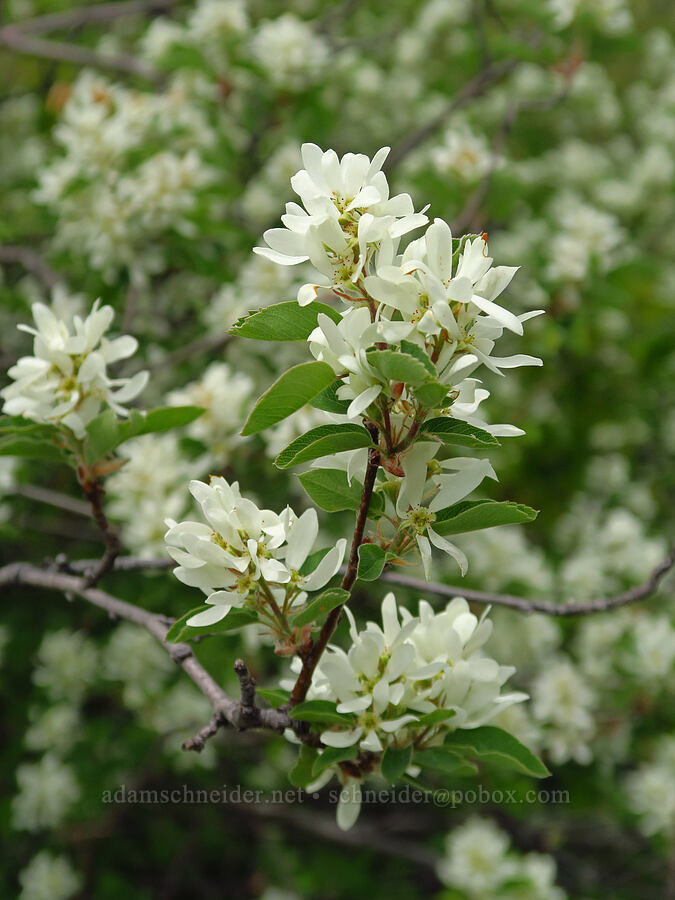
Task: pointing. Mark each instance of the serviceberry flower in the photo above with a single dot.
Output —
(65, 382)
(242, 551)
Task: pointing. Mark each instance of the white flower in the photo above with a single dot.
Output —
(447, 490)
(243, 546)
(409, 666)
(65, 381)
(48, 877)
(347, 209)
(343, 346)
(422, 287)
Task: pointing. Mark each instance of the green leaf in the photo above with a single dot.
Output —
(28, 448)
(432, 718)
(328, 399)
(236, 618)
(372, 559)
(491, 743)
(320, 606)
(321, 711)
(398, 366)
(286, 321)
(288, 394)
(413, 782)
(102, 436)
(455, 431)
(301, 773)
(472, 515)
(331, 756)
(395, 761)
(432, 394)
(106, 432)
(418, 353)
(20, 424)
(321, 441)
(275, 698)
(441, 759)
(330, 490)
(161, 419)
(313, 560)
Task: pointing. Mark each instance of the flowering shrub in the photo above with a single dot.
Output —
(342, 546)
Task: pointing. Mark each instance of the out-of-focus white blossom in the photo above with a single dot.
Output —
(223, 394)
(479, 862)
(67, 663)
(56, 728)
(148, 488)
(562, 699)
(292, 54)
(650, 790)
(47, 791)
(49, 877)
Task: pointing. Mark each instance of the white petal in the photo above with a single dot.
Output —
(341, 738)
(349, 806)
(363, 401)
(208, 616)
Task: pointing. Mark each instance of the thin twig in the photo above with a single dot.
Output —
(312, 655)
(604, 604)
(520, 604)
(487, 77)
(13, 38)
(52, 498)
(94, 492)
(465, 219)
(87, 15)
(198, 742)
(31, 261)
(224, 706)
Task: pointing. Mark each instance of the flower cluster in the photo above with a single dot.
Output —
(417, 323)
(479, 863)
(66, 382)
(247, 555)
(397, 677)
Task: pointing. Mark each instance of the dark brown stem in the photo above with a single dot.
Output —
(312, 655)
(94, 492)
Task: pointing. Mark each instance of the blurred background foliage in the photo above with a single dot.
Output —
(143, 174)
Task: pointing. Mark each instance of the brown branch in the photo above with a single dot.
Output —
(121, 564)
(94, 492)
(87, 15)
(490, 75)
(312, 655)
(52, 498)
(520, 604)
(31, 261)
(225, 707)
(198, 742)
(466, 218)
(604, 604)
(13, 38)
